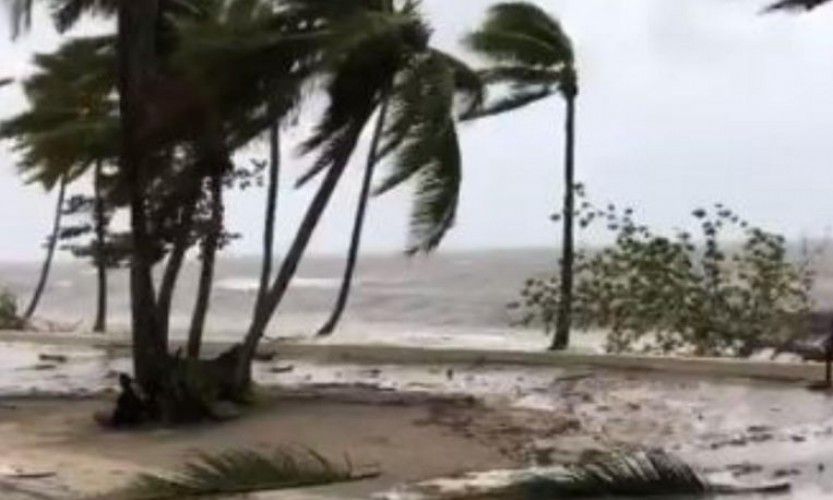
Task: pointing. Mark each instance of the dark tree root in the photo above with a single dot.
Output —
(188, 391)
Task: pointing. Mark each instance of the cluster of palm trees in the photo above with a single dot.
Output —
(158, 104)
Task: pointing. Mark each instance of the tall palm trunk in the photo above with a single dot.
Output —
(271, 210)
(137, 23)
(263, 313)
(176, 259)
(564, 318)
(355, 241)
(100, 254)
(50, 252)
(209, 258)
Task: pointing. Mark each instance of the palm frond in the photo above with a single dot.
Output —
(362, 70)
(804, 5)
(521, 33)
(437, 196)
(515, 100)
(424, 136)
(469, 84)
(66, 13)
(72, 120)
(273, 61)
(235, 472)
(520, 76)
(640, 474)
(421, 114)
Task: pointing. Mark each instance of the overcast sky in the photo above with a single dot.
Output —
(683, 103)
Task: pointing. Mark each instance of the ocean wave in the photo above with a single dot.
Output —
(251, 284)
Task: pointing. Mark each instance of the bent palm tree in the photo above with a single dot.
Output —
(376, 54)
(51, 243)
(531, 53)
(355, 239)
(411, 97)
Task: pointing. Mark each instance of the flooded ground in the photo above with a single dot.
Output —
(732, 430)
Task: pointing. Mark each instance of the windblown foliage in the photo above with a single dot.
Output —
(72, 121)
(9, 318)
(378, 53)
(529, 52)
(666, 294)
(796, 5)
(236, 472)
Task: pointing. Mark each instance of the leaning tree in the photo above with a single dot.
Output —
(416, 108)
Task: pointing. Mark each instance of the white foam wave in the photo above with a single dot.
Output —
(241, 284)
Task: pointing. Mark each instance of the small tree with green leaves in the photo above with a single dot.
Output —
(9, 318)
(679, 293)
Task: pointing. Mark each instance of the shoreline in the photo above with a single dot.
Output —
(401, 407)
(380, 353)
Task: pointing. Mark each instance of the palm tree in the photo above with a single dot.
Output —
(67, 130)
(377, 55)
(99, 255)
(464, 78)
(531, 53)
(51, 243)
(272, 190)
(355, 239)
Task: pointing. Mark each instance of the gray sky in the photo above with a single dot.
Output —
(683, 103)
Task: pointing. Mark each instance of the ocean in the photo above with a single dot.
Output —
(450, 298)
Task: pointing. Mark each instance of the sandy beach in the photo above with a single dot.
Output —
(412, 421)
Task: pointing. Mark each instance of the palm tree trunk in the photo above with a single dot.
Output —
(564, 319)
(137, 20)
(263, 314)
(175, 261)
(100, 254)
(209, 257)
(50, 252)
(355, 241)
(271, 210)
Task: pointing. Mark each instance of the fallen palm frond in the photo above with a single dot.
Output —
(237, 472)
(642, 474)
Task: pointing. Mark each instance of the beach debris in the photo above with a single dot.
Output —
(635, 475)
(282, 369)
(265, 356)
(744, 469)
(573, 377)
(449, 374)
(44, 366)
(55, 358)
(244, 471)
(372, 373)
(758, 428)
(782, 473)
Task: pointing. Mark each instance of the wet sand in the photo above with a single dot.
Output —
(60, 437)
(416, 421)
